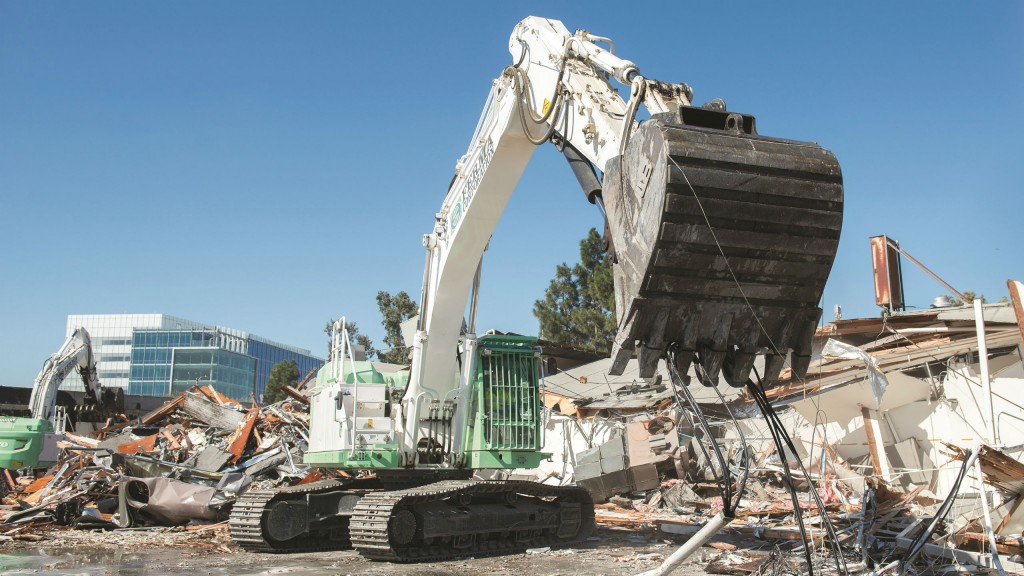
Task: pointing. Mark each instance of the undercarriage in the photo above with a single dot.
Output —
(430, 522)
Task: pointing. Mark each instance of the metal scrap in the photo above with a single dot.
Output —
(186, 462)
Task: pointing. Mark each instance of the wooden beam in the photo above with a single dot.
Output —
(309, 375)
(879, 461)
(1017, 296)
(295, 394)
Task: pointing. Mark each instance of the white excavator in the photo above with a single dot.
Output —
(722, 242)
(32, 442)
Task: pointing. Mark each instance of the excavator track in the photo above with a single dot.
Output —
(723, 240)
(458, 518)
(248, 521)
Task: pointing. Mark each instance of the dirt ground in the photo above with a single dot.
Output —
(610, 552)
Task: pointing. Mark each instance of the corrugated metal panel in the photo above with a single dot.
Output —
(885, 263)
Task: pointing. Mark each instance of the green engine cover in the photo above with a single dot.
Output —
(21, 441)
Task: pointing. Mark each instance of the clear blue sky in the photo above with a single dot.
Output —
(267, 166)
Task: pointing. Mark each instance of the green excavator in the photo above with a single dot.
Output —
(723, 240)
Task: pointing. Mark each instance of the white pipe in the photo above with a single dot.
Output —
(885, 569)
(689, 547)
(983, 492)
(935, 330)
(979, 323)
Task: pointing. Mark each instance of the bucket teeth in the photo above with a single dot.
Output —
(711, 363)
(773, 365)
(623, 346)
(648, 358)
(799, 363)
(738, 368)
(724, 241)
(653, 348)
(683, 359)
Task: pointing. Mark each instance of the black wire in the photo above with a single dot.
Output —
(730, 499)
(757, 390)
(721, 478)
(724, 483)
(741, 484)
(689, 421)
(917, 544)
(794, 497)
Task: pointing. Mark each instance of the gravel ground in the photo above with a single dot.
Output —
(180, 552)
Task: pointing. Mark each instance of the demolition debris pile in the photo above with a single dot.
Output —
(892, 465)
(186, 462)
(889, 426)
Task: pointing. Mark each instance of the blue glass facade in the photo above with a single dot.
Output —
(167, 362)
(267, 355)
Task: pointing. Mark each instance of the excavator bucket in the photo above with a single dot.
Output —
(723, 242)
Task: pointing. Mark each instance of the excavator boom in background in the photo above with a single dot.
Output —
(31, 442)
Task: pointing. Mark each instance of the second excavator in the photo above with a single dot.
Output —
(723, 240)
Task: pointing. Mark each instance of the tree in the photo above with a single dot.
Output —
(969, 297)
(354, 335)
(284, 373)
(578, 308)
(394, 310)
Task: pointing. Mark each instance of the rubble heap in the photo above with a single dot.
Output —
(183, 463)
(885, 422)
(892, 467)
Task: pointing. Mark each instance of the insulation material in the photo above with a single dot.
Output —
(879, 383)
(166, 501)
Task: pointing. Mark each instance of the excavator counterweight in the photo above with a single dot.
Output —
(723, 241)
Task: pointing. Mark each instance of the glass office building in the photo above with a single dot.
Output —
(160, 355)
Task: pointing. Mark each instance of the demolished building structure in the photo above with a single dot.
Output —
(901, 443)
(883, 423)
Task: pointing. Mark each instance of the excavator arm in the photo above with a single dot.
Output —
(74, 354)
(723, 239)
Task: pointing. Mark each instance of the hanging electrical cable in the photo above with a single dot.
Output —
(788, 478)
(917, 544)
(685, 414)
(721, 474)
(782, 443)
(741, 483)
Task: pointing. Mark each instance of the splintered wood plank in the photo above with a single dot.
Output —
(241, 436)
(38, 484)
(164, 411)
(146, 444)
